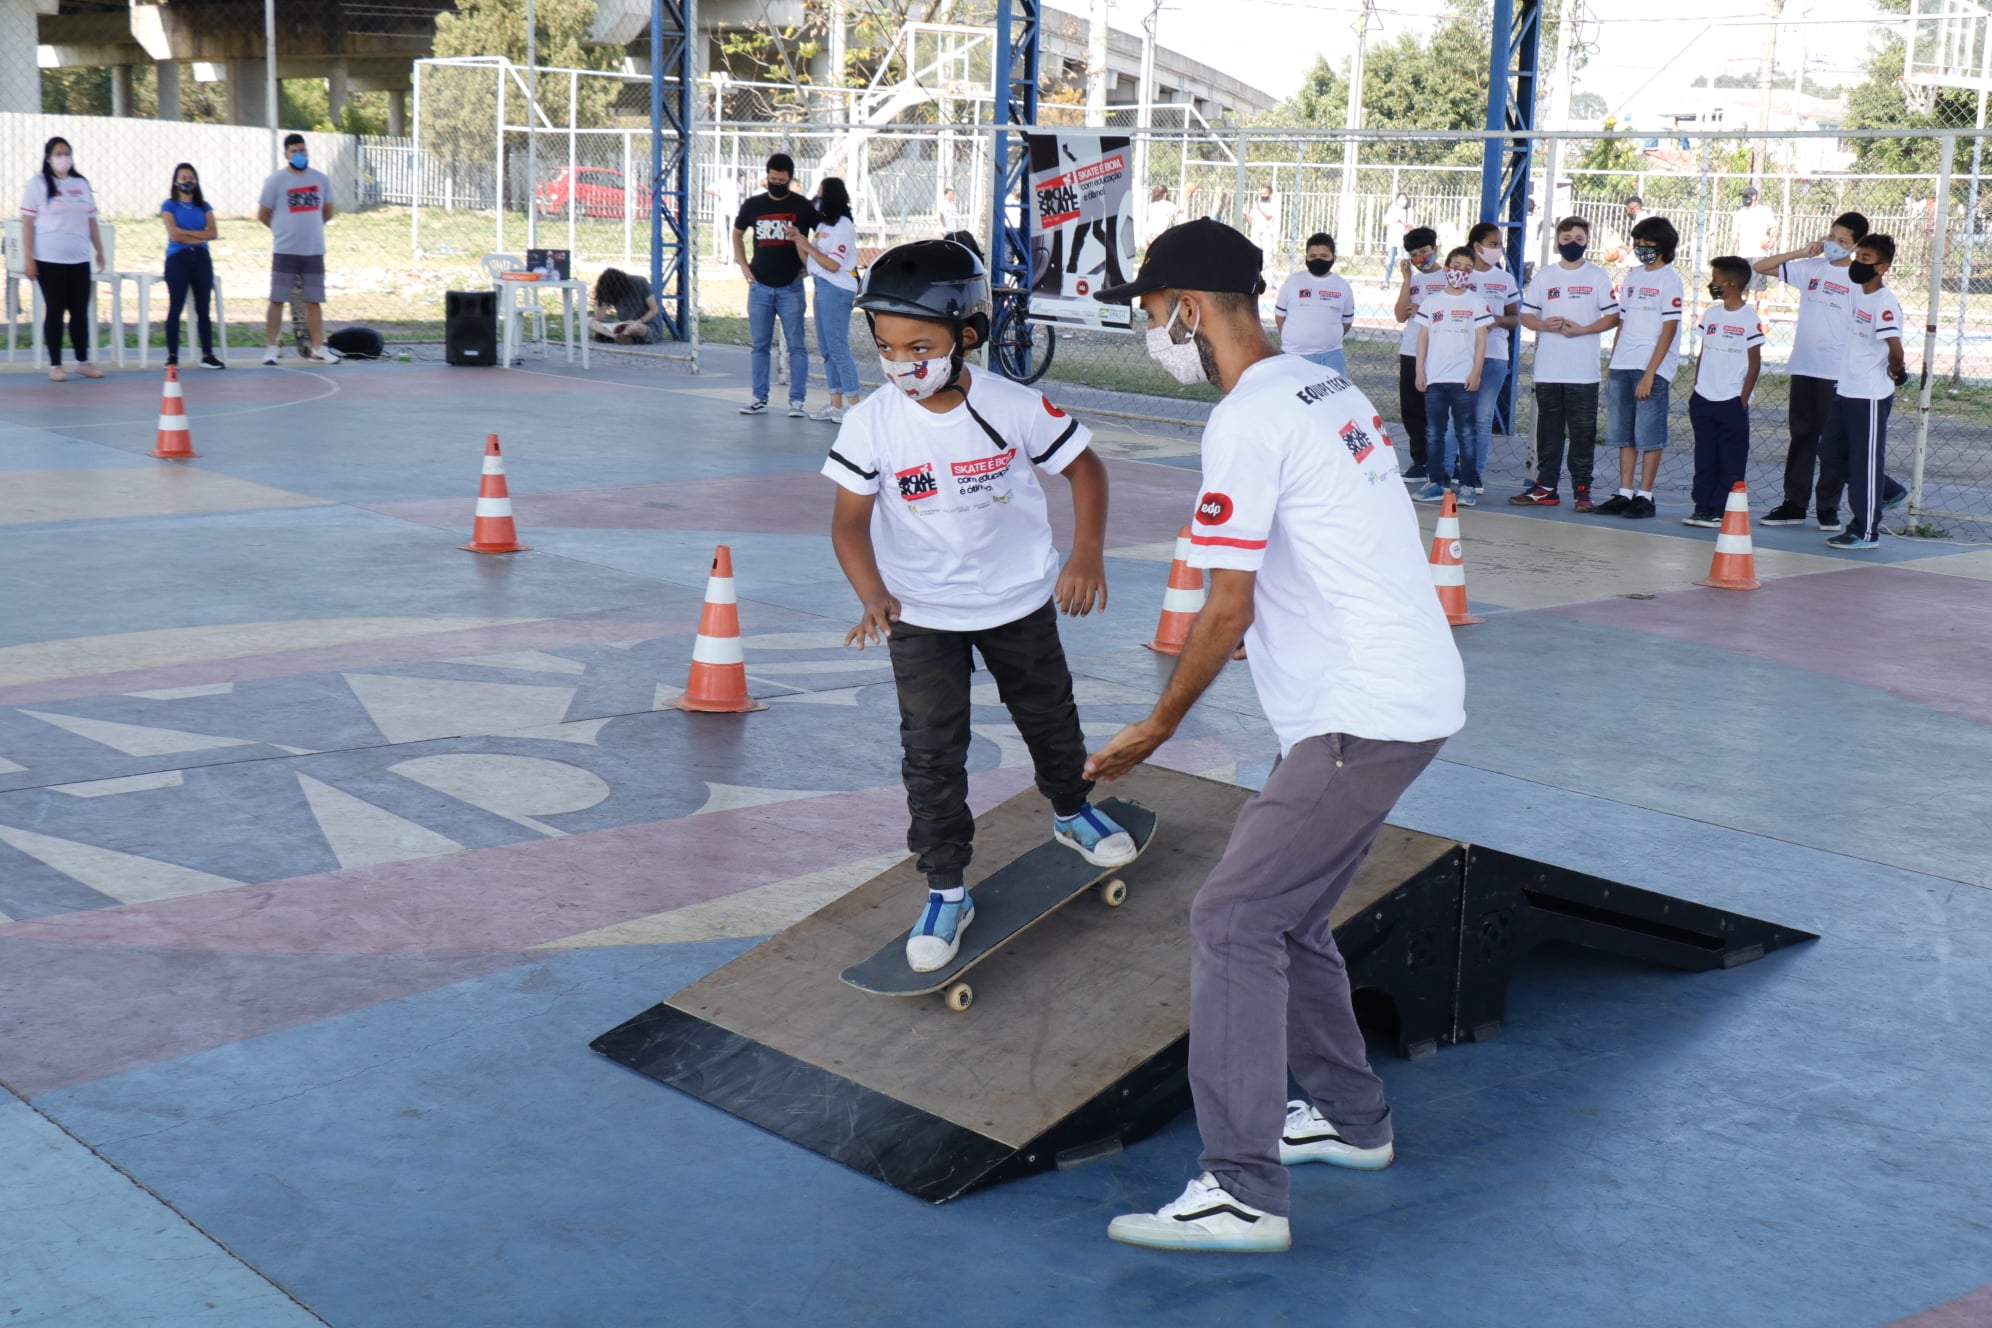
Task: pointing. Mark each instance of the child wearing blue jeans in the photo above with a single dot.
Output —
(1642, 368)
(1452, 343)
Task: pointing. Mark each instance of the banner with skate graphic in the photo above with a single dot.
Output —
(1082, 239)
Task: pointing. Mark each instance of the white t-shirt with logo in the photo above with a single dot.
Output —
(1877, 320)
(1753, 228)
(1582, 295)
(1316, 309)
(1648, 302)
(838, 240)
(1727, 338)
(1300, 485)
(62, 221)
(960, 527)
(1423, 284)
(1496, 286)
(1449, 320)
(1825, 313)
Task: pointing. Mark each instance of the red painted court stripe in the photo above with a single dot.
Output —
(1972, 1310)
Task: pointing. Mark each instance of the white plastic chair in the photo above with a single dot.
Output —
(145, 282)
(494, 264)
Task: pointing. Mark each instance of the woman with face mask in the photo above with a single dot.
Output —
(189, 224)
(58, 236)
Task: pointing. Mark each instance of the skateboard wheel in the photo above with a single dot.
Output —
(1114, 893)
(960, 996)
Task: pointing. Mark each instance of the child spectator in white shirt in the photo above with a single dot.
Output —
(1732, 348)
(1315, 307)
(1569, 305)
(1644, 354)
(1452, 343)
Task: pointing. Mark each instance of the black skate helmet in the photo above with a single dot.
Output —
(936, 280)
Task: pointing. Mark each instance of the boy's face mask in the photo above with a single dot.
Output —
(1572, 250)
(1646, 253)
(1862, 273)
(919, 379)
(1319, 267)
(1428, 263)
(1834, 251)
(1715, 289)
(1457, 278)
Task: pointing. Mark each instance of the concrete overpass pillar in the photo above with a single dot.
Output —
(397, 112)
(247, 102)
(168, 83)
(121, 90)
(336, 91)
(20, 76)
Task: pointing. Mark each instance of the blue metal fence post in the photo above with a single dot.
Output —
(1504, 162)
(671, 35)
(1016, 104)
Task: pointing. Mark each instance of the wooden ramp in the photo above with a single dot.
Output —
(1077, 1040)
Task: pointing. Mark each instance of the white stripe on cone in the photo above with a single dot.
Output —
(719, 590)
(1448, 575)
(718, 650)
(494, 465)
(173, 388)
(173, 424)
(1726, 543)
(494, 507)
(1182, 601)
(1447, 528)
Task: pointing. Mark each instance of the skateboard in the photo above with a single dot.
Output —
(1016, 897)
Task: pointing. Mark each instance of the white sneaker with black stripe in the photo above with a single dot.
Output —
(1308, 1137)
(1206, 1217)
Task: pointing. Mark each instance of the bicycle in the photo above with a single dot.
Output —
(1020, 349)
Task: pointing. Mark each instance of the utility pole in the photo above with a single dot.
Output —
(1145, 113)
(270, 82)
(1098, 77)
(532, 131)
(1766, 72)
(1346, 224)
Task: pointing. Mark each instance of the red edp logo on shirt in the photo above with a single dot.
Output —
(1377, 422)
(1050, 409)
(1213, 509)
(917, 483)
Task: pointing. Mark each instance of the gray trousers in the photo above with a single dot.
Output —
(1268, 990)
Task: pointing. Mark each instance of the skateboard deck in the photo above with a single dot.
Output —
(1017, 896)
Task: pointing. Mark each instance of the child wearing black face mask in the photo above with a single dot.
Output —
(1315, 307)
(1569, 305)
(1871, 368)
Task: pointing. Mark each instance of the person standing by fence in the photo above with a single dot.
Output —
(296, 204)
(832, 256)
(58, 233)
(1493, 282)
(774, 281)
(189, 224)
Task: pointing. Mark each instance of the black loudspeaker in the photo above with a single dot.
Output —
(470, 327)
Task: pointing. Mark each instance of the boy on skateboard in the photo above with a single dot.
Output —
(957, 556)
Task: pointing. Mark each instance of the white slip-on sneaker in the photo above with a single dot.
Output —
(1206, 1217)
(269, 354)
(1308, 1137)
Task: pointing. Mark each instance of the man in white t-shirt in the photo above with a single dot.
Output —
(1825, 315)
(1870, 371)
(1569, 305)
(950, 213)
(1315, 307)
(940, 525)
(1314, 558)
(1754, 229)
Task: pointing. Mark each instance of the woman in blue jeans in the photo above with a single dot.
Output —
(189, 224)
(832, 256)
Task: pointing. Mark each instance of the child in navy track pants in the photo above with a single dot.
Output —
(1732, 340)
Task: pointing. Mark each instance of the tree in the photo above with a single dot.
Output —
(1602, 166)
(1880, 101)
(1589, 106)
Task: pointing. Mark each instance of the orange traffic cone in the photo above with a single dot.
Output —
(718, 681)
(1735, 564)
(176, 441)
(493, 531)
(1181, 602)
(1448, 568)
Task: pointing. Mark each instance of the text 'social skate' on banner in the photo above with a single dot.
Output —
(1083, 205)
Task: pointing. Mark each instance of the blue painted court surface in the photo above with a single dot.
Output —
(325, 849)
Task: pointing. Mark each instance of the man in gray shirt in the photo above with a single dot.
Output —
(296, 204)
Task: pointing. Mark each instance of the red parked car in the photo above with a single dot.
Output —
(596, 191)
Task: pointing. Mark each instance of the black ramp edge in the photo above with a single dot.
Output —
(1511, 904)
(1405, 946)
(848, 1123)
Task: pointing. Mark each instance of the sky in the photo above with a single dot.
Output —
(1639, 60)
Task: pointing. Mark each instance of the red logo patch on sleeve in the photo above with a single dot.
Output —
(1050, 409)
(1887, 315)
(1213, 509)
(1677, 301)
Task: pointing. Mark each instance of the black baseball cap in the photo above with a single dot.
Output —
(1200, 255)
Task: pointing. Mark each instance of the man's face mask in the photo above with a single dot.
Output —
(1319, 267)
(299, 160)
(919, 379)
(778, 188)
(1181, 360)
